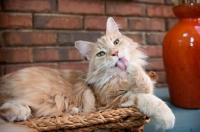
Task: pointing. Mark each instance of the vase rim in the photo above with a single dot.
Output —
(188, 10)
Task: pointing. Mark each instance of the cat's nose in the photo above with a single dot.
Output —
(115, 53)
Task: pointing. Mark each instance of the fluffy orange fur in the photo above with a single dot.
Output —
(47, 92)
(37, 92)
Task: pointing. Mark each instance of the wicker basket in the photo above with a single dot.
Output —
(130, 119)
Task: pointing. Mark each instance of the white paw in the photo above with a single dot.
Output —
(132, 67)
(74, 110)
(12, 111)
(151, 106)
(126, 104)
(167, 120)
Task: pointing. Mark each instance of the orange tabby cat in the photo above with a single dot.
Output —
(115, 78)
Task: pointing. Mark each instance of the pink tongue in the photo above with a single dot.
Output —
(121, 63)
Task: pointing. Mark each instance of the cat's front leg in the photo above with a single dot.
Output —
(151, 106)
(15, 111)
(137, 77)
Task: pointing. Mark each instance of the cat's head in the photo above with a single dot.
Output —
(105, 54)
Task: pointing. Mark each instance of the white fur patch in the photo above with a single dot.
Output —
(74, 110)
(88, 101)
(154, 107)
(14, 111)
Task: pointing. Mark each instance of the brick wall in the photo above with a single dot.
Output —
(43, 32)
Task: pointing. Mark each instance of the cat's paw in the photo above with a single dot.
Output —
(74, 110)
(12, 111)
(151, 106)
(132, 67)
(166, 121)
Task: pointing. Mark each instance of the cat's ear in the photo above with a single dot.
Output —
(85, 48)
(112, 29)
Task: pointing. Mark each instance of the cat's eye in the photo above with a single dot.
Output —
(100, 54)
(116, 42)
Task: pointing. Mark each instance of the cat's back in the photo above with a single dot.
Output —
(39, 80)
(41, 75)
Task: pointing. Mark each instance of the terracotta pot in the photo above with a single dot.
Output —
(181, 56)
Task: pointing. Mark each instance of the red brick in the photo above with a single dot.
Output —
(63, 53)
(81, 7)
(13, 68)
(146, 24)
(57, 22)
(154, 38)
(153, 51)
(30, 38)
(68, 38)
(136, 37)
(156, 64)
(171, 23)
(125, 8)
(16, 55)
(172, 2)
(15, 20)
(57, 54)
(30, 5)
(46, 54)
(83, 66)
(151, 1)
(160, 11)
(73, 54)
(99, 23)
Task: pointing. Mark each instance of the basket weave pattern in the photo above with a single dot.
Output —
(115, 119)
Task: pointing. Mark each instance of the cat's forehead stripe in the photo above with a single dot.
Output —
(104, 42)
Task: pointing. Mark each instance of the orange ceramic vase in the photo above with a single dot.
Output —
(181, 56)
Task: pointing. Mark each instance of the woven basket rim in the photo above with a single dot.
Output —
(114, 119)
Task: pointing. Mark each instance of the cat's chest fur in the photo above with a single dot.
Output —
(108, 95)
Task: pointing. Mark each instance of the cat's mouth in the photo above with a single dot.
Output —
(121, 63)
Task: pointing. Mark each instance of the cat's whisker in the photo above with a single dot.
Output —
(140, 48)
(93, 73)
(84, 74)
(96, 72)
